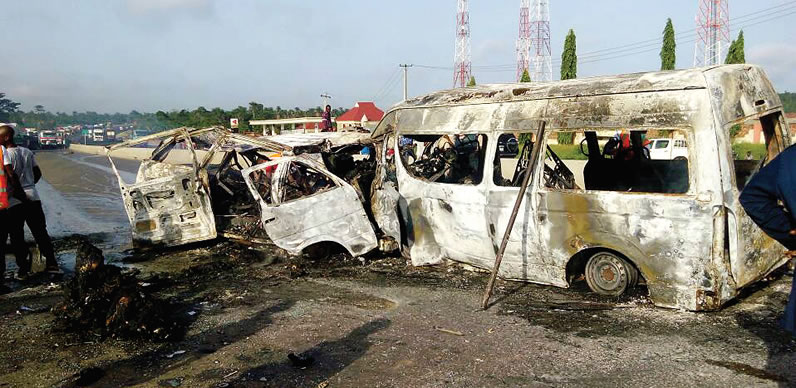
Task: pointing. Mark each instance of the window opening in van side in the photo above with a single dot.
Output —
(617, 160)
(456, 159)
(511, 158)
(302, 181)
(754, 144)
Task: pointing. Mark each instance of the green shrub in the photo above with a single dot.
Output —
(734, 130)
(565, 137)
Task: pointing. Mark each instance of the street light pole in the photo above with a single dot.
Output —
(325, 96)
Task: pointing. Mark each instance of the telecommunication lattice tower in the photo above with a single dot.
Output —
(542, 58)
(461, 61)
(713, 32)
(524, 40)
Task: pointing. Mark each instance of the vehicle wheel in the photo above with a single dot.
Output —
(681, 158)
(608, 274)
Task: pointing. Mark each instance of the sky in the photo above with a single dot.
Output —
(148, 55)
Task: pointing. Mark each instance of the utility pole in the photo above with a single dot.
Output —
(406, 84)
(326, 97)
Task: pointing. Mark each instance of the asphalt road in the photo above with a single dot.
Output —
(383, 323)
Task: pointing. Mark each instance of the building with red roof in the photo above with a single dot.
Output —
(363, 114)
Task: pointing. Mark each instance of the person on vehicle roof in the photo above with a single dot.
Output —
(770, 200)
(326, 124)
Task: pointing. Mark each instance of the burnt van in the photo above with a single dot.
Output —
(599, 207)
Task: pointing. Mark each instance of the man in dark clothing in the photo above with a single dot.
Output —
(13, 194)
(770, 200)
(326, 124)
(29, 211)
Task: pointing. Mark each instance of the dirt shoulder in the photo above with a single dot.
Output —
(384, 323)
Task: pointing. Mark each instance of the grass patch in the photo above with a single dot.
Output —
(568, 151)
(740, 149)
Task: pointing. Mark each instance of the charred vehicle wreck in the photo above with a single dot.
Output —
(442, 177)
(598, 206)
(295, 191)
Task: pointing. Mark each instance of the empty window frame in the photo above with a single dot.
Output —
(302, 181)
(755, 143)
(615, 160)
(512, 157)
(453, 158)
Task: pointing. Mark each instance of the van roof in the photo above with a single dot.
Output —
(592, 86)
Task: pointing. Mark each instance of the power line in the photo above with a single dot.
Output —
(782, 10)
(386, 86)
(689, 33)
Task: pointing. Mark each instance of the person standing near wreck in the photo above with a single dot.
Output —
(326, 124)
(10, 193)
(4, 219)
(28, 210)
(770, 200)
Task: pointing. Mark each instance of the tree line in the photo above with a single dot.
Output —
(200, 117)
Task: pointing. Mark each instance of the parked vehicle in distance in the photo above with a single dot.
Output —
(50, 139)
(668, 149)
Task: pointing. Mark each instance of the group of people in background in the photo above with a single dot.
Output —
(20, 205)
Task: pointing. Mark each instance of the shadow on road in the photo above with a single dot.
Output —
(780, 345)
(330, 357)
(128, 372)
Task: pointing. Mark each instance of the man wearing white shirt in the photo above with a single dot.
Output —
(28, 212)
(14, 192)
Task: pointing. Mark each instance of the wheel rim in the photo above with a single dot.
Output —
(607, 274)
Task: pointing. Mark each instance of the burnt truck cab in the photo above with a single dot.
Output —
(599, 206)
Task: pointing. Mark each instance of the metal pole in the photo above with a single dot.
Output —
(540, 135)
(325, 96)
(406, 83)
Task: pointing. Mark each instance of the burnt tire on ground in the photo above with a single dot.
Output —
(105, 301)
(608, 274)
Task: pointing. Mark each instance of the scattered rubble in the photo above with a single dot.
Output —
(104, 301)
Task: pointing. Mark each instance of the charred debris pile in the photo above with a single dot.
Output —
(104, 301)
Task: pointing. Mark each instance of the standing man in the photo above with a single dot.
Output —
(28, 211)
(770, 200)
(11, 193)
(4, 219)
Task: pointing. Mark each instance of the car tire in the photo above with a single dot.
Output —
(609, 274)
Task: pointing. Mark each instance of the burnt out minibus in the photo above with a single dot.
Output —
(599, 206)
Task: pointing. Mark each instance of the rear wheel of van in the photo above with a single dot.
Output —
(609, 274)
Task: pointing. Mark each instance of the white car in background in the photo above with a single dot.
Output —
(668, 149)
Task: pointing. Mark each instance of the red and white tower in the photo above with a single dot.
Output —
(461, 62)
(713, 32)
(524, 40)
(542, 60)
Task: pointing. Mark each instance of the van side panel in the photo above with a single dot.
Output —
(740, 93)
(669, 237)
